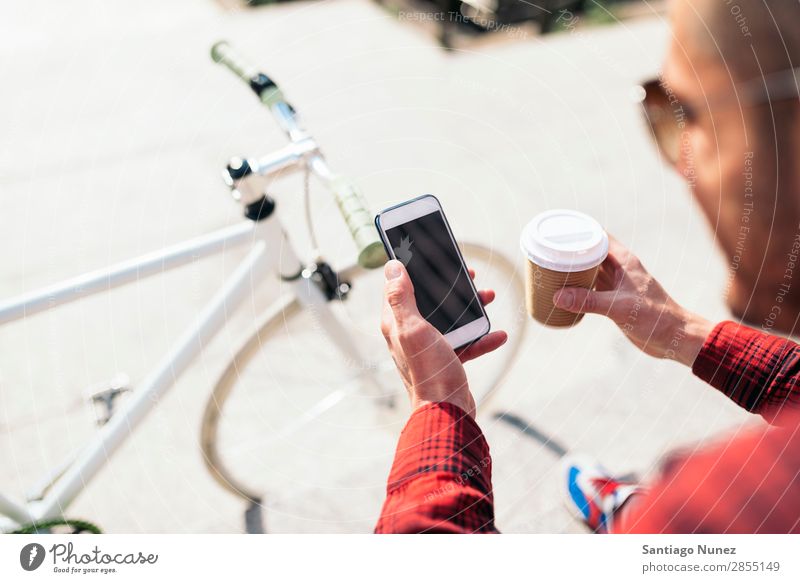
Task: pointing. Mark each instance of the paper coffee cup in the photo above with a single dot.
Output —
(563, 248)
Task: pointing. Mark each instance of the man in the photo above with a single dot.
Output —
(736, 141)
(734, 134)
(441, 477)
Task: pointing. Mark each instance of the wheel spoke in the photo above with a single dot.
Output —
(301, 421)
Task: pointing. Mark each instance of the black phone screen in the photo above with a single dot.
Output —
(441, 286)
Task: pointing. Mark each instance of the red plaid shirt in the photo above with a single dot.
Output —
(441, 478)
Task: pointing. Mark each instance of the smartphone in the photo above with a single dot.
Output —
(417, 233)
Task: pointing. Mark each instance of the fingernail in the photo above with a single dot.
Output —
(565, 298)
(391, 270)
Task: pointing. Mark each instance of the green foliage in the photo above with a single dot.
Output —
(595, 12)
(600, 11)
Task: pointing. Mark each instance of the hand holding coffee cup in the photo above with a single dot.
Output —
(564, 248)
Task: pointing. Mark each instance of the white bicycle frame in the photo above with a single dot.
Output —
(271, 253)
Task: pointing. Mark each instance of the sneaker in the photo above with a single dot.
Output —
(593, 494)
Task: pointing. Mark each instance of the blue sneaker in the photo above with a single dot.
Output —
(593, 495)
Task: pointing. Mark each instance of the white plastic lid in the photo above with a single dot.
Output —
(564, 240)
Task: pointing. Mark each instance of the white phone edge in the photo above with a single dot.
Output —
(413, 209)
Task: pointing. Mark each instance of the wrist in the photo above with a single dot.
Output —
(688, 338)
(465, 402)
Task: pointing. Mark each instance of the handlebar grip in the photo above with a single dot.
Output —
(224, 54)
(266, 89)
(353, 207)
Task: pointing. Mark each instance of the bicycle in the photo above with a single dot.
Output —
(315, 290)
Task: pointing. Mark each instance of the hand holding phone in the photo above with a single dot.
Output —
(417, 234)
(431, 368)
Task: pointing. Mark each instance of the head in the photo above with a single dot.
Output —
(739, 157)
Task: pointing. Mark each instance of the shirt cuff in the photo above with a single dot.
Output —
(442, 437)
(740, 362)
(719, 348)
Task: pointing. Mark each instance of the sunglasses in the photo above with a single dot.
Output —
(668, 116)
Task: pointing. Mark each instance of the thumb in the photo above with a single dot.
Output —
(399, 291)
(583, 301)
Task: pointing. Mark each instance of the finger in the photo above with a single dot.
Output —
(584, 301)
(399, 293)
(611, 271)
(487, 344)
(617, 252)
(608, 277)
(487, 296)
(471, 273)
(620, 256)
(615, 246)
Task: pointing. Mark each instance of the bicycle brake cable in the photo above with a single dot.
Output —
(309, 222)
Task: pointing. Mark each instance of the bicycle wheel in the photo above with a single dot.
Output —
(304, 437)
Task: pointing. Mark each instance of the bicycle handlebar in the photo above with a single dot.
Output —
(355, 212)
(351, 203)
(224, 54)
